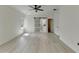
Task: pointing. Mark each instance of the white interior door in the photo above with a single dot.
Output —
(44, 25)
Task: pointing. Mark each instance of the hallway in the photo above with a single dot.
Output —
(35, 43)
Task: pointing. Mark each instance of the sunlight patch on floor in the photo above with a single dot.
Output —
(26, 34)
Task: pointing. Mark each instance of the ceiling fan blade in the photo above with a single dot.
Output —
(40, 9)
(31, 6)
(39, 6)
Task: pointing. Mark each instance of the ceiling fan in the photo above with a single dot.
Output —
(36, 8)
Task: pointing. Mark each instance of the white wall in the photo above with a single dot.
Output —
(29, 24)
(69, 26)
(56, 21)
(10, 22)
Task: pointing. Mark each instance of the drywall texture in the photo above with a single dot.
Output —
(69, 26)
(10, 23)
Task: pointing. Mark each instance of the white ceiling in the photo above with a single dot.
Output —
(48, 10)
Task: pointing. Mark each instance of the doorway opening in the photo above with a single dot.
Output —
(49, 25)
(43, 24)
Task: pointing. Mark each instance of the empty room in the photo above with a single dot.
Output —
(39, 28)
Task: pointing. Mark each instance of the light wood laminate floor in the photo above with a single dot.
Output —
(36, 43)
